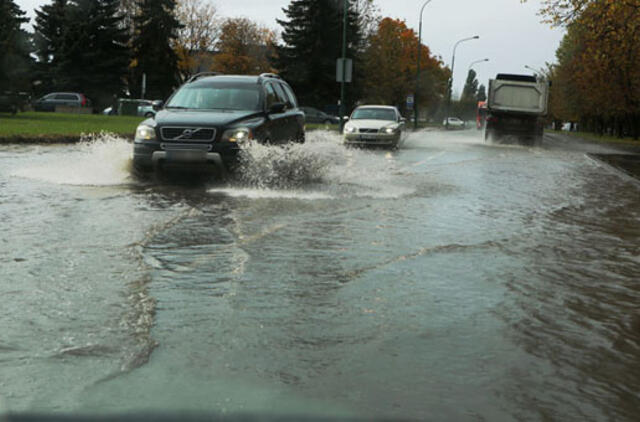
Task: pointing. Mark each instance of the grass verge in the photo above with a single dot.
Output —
(597, 138)
(50, 127)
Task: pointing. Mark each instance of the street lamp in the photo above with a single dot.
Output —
(453, 64)
(477, 61)
(415, 95)
(534, 70)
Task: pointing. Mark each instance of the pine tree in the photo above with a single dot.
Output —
(50, 24)
(15, 62)
(313, 42)
(82, 47)
(94, 56)
(156, 32)
(482, 93)
(470, 87)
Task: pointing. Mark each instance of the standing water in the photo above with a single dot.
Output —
(449, 280)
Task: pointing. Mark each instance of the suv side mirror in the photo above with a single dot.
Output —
(277, 108)
(157, 105)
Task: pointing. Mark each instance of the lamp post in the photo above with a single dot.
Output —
(476, 62)
(415, 94)
(453, 64)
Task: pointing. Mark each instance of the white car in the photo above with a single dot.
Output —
(454, 123)
(374, 125)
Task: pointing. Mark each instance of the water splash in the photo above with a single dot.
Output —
(98, 160)
(322, 168)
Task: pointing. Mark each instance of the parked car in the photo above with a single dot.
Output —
(313, 115)
(145, 108)
(374, 125)
(67, 99)
(454, 123)
(205, 122)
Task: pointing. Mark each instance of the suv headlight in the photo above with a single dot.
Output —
(145, 133)
(237, 135)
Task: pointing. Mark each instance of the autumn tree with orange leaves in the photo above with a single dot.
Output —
(390, 63)
(196, 41)
(244, 48)
(597, 79)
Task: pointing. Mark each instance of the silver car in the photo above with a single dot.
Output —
(454, 123)
(375, 125)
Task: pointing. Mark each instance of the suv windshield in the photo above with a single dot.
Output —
(217, 96)
(373, 114)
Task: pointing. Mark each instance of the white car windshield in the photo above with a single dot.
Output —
(373, 114)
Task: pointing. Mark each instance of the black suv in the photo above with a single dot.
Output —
(203, 124)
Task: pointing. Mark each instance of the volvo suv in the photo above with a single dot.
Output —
(205, 123)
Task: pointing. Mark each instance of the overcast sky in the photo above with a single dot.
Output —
(511, 34)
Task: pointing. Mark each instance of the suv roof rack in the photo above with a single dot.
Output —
(202, 75)
(269, 75)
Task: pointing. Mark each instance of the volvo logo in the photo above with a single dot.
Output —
(188, 133)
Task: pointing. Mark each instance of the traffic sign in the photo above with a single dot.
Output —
(410, 101)
(348, 72)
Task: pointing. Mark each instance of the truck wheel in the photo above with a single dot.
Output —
(487, 135)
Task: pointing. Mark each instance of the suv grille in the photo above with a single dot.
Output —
(368, 130)
(188, 134)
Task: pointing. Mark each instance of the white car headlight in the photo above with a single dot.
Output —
(237, 135)
(390, 130)
(349, 129)
(145, 133)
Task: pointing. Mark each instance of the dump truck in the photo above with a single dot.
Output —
(516, 109)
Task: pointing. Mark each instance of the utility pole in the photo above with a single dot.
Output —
(415, 94)
(344, 62)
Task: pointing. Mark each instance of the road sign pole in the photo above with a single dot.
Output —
(344, 64)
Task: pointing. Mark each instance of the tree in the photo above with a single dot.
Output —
(312, 43)
(468, 104)
(391, 63)
(244, 48)
(470, 90)
(153, 54)
(129, 9)
(15, 62)
(49, 28)
(82, 47)
(598, 77)
(482, 93)
(368, 14)
(94, 55)
(197, 38)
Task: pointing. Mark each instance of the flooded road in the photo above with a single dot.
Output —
(450, 280)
